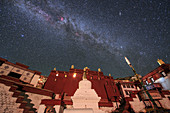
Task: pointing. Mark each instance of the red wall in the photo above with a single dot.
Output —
(61, 84)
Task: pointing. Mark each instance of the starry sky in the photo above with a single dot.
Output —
(44, 34)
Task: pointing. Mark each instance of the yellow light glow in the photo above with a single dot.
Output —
(72, 66)
(99, 70)
(57, 74)
(65, 75)
(74, 75)
(55, 69)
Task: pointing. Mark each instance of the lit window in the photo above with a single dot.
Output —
(163, 74)
(74, 75)
(99, 78)
(65, 75)
(91, 77)
(57, 74)
(146, 82)
(152, 79)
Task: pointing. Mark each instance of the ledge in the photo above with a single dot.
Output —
(26, 87)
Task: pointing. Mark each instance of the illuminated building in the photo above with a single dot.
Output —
(25, 90)
(159, 75)
(65, 86)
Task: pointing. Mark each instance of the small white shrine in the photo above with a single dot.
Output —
(85, 99)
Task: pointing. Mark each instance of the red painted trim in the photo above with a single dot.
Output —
(10, 78)
(166, 92)
(51, 102)
(155, 71)
(4, 60)
(27, 87)
(22, 65)
(128, 99)
(105, 104)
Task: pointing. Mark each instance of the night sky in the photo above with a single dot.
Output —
(44, 34)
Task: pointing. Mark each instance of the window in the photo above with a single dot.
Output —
(132, 86)
(106, 82)
(127, 93)
(91, 78)
(147, 82)
(163, 74)
(74, 75)
(124, 85)
(130, 92)
(12, 74)
(1, 62)
(99, 78)
(115, 90)
(152, 79)
(128, 86)
(147, 103)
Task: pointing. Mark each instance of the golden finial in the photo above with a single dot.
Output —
(72, 66)
(55, 69)
(99, 70)
(160, 61)
(86, 68)
(84, 74)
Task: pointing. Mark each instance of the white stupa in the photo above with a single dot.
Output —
(85, 99)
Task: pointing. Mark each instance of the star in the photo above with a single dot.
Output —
(22, 35)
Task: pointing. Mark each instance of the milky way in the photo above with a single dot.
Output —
(98, 34)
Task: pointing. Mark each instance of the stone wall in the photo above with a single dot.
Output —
(36, 99)
(137, 105)
(7, 102)
(165, 102)
(107, 109)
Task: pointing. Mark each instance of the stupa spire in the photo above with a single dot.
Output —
(84, 74)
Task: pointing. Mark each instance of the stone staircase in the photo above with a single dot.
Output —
(22, 98)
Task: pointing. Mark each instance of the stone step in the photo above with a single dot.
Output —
(33, 109)
(30, 105)
(26, 109)
(13, 88)
(31, 112)
(23, 104)
(16, 93)
(20, 99)
(28, 100)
